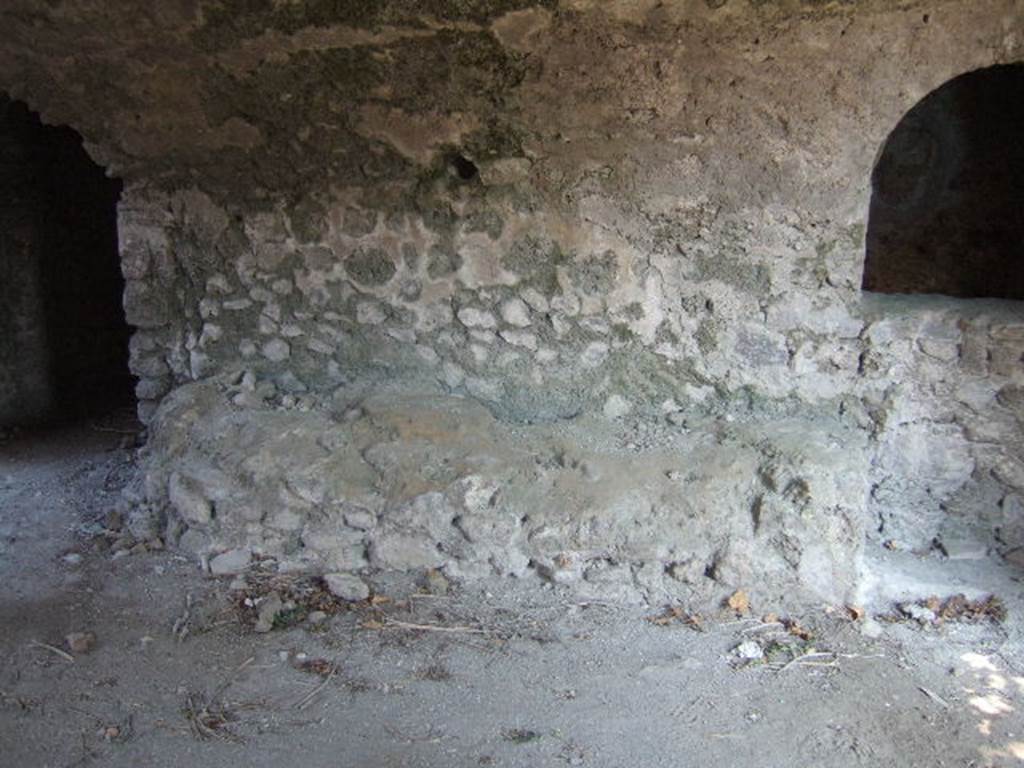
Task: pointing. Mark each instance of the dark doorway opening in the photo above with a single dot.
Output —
(63, 335)
(947, 203)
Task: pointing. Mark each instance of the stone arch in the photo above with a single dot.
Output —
(947, 192)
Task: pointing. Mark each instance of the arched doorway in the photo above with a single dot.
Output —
(947, 203)
(63, 336)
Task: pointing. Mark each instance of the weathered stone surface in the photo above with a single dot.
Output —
(231, 562)
(583, 216)
(188, 501)
(346, 586)
(426, 481)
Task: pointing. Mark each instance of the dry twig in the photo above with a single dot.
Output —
(933, 696)
(394, 623)
(809, 660)
(53, 649)
(308, 698)
(181, 628)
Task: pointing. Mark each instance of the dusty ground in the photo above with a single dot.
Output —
(528, 677)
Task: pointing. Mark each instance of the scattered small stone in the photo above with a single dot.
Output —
(123, 543)
(139, 549)
(346, 586)
(515, 312)
(80, 642)
(436, 582)
(112, 733)
(120, 553)
(918, 613)
(616, 406)
(360, 519)
(269, 608)
(871, 629)
(72, 558)
(748, 651)
(231, 562)
(316, 617)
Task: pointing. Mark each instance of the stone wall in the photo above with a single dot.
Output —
(652, 212)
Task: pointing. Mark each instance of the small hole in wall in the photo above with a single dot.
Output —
(464, 167)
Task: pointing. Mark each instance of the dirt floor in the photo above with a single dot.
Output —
(499, 674)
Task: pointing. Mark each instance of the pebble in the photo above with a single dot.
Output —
(123, 543)
(918, 612)
(230, 562)
(72, 558)
(80, 642)
(269, 608)
(436, 582)
(749, 651)
(346, 586)
(616, 406)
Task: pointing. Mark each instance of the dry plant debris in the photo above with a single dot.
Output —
(23, 704)
(520, 735)
(674, 614)
(778, 643)
(959, 608)
(937, 611)
(209, 718)
(739, 602)
(319, 667)
(435, 673)
(299, 595)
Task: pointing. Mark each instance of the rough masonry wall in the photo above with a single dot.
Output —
(651, 211)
